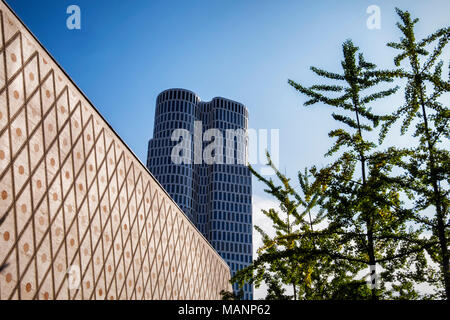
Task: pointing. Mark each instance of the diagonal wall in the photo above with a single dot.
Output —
(74, 197)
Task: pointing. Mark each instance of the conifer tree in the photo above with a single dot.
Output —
(226, 295)
(290, 258)
(275, 290)
(427, 167)
(364, 210)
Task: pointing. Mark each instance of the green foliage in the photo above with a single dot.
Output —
(275, 290)
(355, 212)
(364, 209)
(226, 295)
(292, 256)
(352, 290)
(426, 167)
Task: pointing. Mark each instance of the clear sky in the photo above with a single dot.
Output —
(128, 51)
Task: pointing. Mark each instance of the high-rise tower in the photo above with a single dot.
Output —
(214, 193)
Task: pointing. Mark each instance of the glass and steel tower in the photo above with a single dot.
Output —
(215, 195)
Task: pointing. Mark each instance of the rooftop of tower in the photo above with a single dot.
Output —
(197, 98)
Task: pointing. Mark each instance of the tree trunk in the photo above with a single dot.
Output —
(371, 261)
(438, 205)
(370, 241)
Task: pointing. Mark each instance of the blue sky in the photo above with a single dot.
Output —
(128, 51)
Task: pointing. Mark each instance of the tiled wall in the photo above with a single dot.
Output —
(77, 206)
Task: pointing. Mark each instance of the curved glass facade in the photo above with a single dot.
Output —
(216, 195)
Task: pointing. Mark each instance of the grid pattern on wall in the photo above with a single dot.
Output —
(74, 197)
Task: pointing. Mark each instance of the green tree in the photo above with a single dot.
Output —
(427, 166)
(364, 210)
(226, 295)
(291, 257)
(275, 290)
